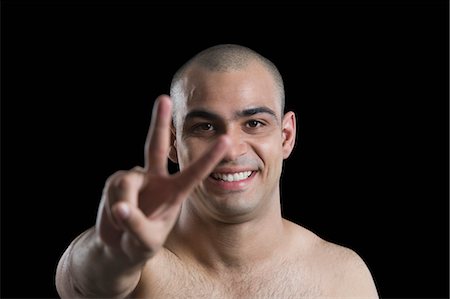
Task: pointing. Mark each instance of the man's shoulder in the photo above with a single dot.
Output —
(339, 264)
(310, 241)
(353, 277)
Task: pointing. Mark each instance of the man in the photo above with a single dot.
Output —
(214, 229)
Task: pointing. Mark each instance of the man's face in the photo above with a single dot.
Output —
(245, 106)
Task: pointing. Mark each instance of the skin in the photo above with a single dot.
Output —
(192, 235)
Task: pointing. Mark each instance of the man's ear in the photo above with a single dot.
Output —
(289, 133)
(173, 145)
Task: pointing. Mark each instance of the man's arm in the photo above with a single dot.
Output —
(86, 269)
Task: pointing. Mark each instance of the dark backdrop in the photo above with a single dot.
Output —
(369, 84)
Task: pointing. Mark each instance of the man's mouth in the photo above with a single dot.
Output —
(232, 177)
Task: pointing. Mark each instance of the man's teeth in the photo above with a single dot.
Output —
(232, 177)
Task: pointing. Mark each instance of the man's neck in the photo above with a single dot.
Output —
(217, 245)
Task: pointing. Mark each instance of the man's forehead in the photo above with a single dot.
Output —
(230, 103)
(227, 92)
(230, 88)
(252, 77)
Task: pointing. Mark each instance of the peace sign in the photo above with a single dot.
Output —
(139, 207)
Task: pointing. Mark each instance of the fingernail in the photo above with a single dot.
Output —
(123, 210)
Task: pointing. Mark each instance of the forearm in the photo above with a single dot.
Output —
(89, 269)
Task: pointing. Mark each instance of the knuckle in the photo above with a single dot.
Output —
(138, 169)
(123, 180)
(110, 180)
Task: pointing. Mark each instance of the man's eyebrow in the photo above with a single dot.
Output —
(257, 110)
(200, 113)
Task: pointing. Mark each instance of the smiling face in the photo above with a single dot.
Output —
(245, 105)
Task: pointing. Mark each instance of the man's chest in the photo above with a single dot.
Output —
(285, 282)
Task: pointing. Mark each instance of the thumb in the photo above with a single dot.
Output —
(132, 220)
(121, 212)
(129, 218)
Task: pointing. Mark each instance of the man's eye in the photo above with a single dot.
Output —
(204, 127)
(254, 123)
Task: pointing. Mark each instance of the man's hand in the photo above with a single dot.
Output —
(139, 207)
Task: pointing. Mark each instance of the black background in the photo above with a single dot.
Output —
(368, 81)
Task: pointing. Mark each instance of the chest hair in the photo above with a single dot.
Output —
(282, 280)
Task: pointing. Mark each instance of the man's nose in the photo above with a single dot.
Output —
(238, 146)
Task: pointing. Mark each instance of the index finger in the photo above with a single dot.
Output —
(157, 143)
(200, 169)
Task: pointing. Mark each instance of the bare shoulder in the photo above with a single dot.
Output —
(341, 269)
(351, 275)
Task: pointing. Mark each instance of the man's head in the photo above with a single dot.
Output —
(224, 58)
(231, 90)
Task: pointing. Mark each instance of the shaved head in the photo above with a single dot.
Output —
(225, 58)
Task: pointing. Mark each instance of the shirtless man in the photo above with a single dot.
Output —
(214, 229)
